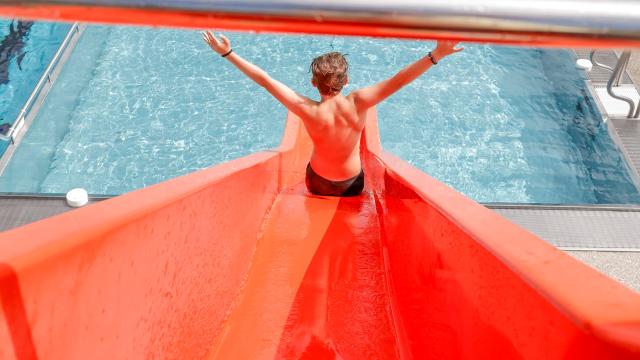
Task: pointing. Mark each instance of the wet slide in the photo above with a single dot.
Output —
(238, 261)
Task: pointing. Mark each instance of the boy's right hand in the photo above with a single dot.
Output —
(221, 46)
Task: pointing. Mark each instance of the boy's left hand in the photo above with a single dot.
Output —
(446, 48)
(221, 46)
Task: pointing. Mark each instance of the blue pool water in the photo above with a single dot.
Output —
(25, 51)
(135, 106)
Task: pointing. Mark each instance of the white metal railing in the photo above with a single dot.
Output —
(614, 80)
(19, 122)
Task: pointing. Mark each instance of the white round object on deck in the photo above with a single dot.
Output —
(584, 64)
(77, 197)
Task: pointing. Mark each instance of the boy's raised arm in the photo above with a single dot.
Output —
(372, 95)
(296, 103)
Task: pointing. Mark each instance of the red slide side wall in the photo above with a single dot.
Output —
(468, 284)
(149, 274)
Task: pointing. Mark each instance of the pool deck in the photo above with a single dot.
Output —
(621, 266)
(634, 66)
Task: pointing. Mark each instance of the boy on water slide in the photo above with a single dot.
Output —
(335, 123)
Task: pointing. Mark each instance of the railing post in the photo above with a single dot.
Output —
(596, 63)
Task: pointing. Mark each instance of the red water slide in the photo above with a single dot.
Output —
(239, 261)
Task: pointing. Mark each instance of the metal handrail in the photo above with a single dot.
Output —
(614, 80)
(19, 122)
(621, 65)
(599, 23)
(637, 114)
(596, 63)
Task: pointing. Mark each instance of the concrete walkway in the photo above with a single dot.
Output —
(634, 67)
(621, 266)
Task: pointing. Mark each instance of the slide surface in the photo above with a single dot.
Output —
(239, 261)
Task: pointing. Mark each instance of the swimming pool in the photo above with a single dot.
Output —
(26, 48)
(135, 106)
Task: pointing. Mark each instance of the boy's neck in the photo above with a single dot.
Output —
(324, 98)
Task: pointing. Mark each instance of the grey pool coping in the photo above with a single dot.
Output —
(602, 228)
(21, 209)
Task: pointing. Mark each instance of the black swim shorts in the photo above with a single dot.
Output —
(321, 186)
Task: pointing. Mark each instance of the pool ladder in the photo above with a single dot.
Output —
(45, 79)
(614, 80)
(28, 112)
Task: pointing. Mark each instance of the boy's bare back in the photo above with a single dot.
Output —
(335, 131)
